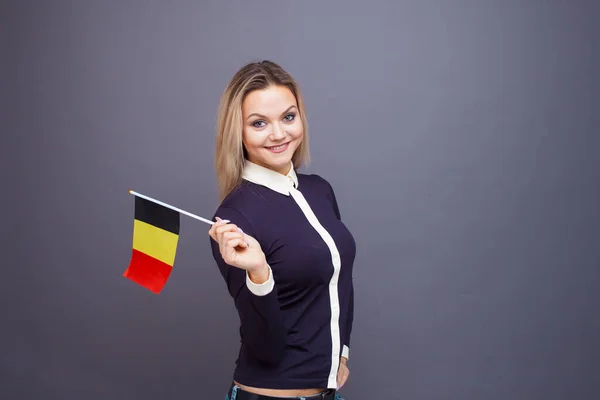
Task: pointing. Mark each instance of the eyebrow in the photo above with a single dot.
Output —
(262, 116)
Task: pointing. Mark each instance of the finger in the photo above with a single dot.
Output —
(225, 228)
(233, 243)
(220, 222)
(243, 235)
(343, 376)
(213, 229)
(227, 236)
(228, 226)
(231, 235)
(212, 232)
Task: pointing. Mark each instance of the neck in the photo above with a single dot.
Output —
(283, 171)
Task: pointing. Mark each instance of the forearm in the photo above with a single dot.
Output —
(263, 331)
(260, 275)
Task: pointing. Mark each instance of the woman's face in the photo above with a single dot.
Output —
(272, 128)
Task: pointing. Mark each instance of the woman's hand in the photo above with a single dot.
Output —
(239, 249)
(343, 372)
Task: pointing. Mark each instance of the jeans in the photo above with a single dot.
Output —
(235, 388)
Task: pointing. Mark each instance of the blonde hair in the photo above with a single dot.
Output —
(230, 153)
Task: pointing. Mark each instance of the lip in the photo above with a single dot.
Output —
(281, 150)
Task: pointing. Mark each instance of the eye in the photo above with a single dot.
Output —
(256, 124)
(290, 117)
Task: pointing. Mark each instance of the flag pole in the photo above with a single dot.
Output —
(172, 207)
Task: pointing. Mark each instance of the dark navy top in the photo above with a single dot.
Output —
(295, 327)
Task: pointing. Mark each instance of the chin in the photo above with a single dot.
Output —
(277, 163)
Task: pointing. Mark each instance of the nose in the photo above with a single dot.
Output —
(277, 133)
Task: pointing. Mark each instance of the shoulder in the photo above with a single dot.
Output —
(237, 206)
(314, 181)
(319, 186)
(246, 206)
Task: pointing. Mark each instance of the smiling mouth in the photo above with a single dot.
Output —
(279, 148)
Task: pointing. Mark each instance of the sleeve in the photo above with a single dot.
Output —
(349, 321)
(350, 315)
(336, 209)
(262, 329)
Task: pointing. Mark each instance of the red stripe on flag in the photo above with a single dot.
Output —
(147, 271)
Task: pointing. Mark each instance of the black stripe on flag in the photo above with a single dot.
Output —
(157, 215)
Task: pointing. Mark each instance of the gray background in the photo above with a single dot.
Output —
(461, 138)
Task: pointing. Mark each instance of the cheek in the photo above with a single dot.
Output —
(255, 140)
(296, 130)
(249, 139)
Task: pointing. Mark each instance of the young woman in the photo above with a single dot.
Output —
(280, 244)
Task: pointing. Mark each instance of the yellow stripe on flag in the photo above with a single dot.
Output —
(155, 242)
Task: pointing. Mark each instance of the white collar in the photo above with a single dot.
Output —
(269, 178)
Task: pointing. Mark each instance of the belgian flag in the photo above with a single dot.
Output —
(155, 238)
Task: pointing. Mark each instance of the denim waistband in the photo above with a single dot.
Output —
(235, 389)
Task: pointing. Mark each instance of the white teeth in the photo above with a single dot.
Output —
(278, 147)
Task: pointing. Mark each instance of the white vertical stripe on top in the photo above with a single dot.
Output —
(333, 288)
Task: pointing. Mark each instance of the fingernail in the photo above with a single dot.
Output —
(240, 230)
